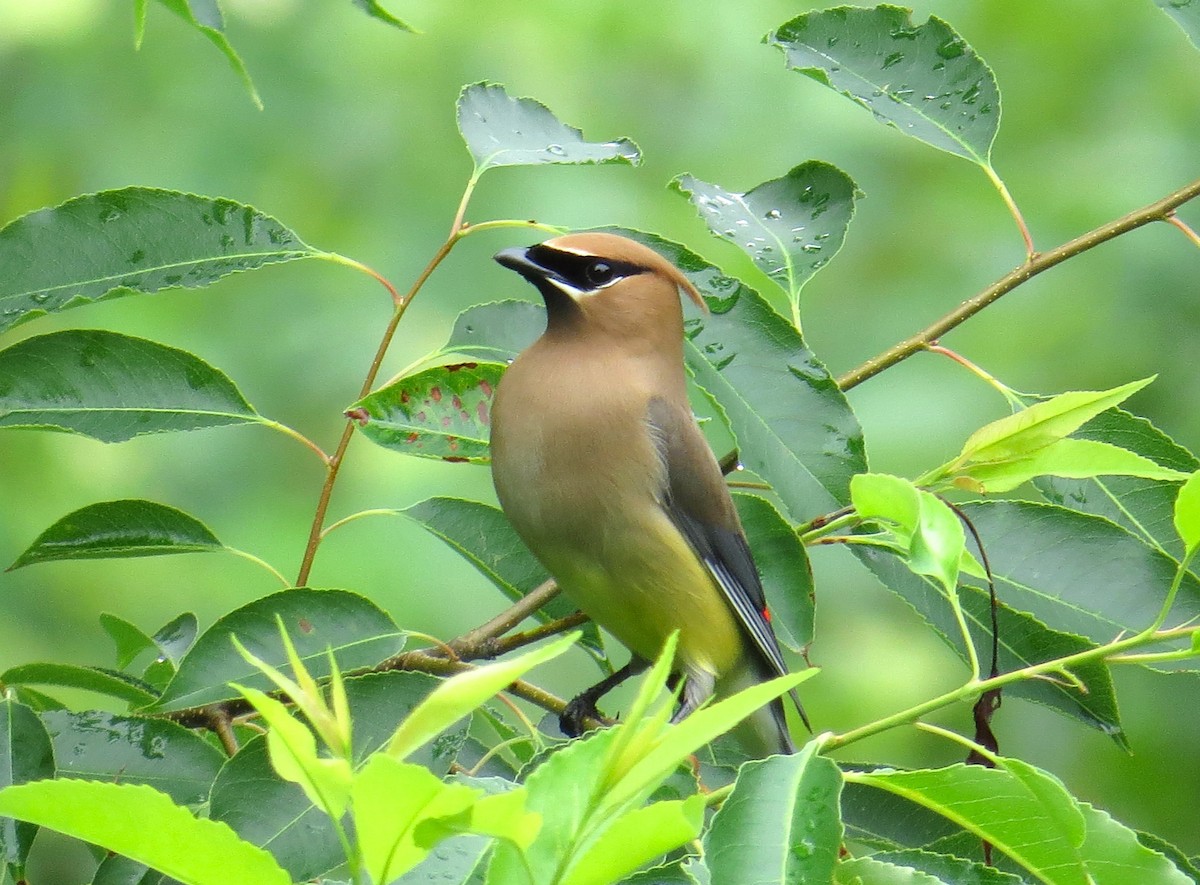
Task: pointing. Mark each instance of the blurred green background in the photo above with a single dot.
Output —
(357, 151)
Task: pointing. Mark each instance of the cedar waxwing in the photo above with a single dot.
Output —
(604, 473)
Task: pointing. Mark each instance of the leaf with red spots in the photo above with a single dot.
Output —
(443, 412)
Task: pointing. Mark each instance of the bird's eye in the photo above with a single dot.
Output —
(599, 273)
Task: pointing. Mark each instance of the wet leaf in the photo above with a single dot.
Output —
(205, 16)
(110, 683)
(25, 755)
(783, 565)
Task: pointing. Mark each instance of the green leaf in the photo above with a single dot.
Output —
(923, 80)
(129, 640)
(1077, 573)
(110, 683)
(1113, 853)
(885, 821)
(782, 820)
(504, 131)
(790, 227)
(358, 631)
(793, 426)
(634, 839)
(483, 536)
(94, 745)
(1187, 512)
(873, 871)
(131, 240)
(1184, 13)
(1145, 508)
(25, 755)
(176, 636)
(497, 331)
(942, 868)
(120, 529)
(1071, 458)
(145, 825)
(205, 17)
(118, 870)
(113, 387)
(1045, 422)
(443, 412)
(460, 694)
(783, 565)
(376, 11)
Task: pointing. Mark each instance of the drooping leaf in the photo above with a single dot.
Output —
(782, 820)
(790, 227)
(94, 745)
(111, 683)
(145, 825)
(113, 387)
(1143, 507)
(131, 240)
(25, 755)
(120, 529)
(923, 80)
(1184, 13)
(504, 131)
(374, 9)
(205, 16)
(483, 536)
(783, 565)
(359, 633)
(443, 412)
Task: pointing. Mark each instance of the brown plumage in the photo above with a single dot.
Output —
(604, 473)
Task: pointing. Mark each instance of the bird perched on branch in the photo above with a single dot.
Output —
(604, 473)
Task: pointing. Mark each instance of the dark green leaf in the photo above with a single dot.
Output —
(373, 9)
(670, 874)
(922, 79)
(443, 412)
(25, 755)
(791, 226)
(106, 682)
(498, 330)
(120, 529)
(359, 633)
(95, 745)
(129, 640)
(35, 700)
(1078, 573)
(793, 426)
(1024, 640)
(1186, 14)
(483, 536)
(118, 870)
(784, 568)
(176, 636)
(131, 240)
(112, 387)
(872, 871)
(781, 821)
(948, 869)
(504, 131)
(1143, 507)
(205, 16)
(885, 821)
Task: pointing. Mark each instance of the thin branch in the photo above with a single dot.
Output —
(506, 620)
(1161, 210)
(1178, 222)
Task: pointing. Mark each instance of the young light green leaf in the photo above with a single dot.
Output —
(790, 227)
(463, 692)
(443, 412)
(1184, 13)
(938, 545)
(293, 749)
(888, 499)
(1070, 458)
(782, 820)
(113, 387)
(120, 529)
(100, 746)
(636, 838)
(391, 799)
(136, 239)
(145, 825)
(26, 754)
(376, 11)
(360, 633)
(1021, 434)
(1187, 512)
(504, 131)
(923, 80)
(110, 683)
(206, 18)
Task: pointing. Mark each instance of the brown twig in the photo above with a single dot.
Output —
(1160, 210)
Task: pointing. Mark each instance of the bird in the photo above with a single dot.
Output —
(603, 471)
